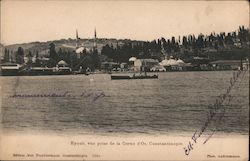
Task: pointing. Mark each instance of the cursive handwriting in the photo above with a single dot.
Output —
(217, 109)
(65, 94)
(92, 95)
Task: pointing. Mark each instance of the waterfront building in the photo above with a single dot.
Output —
(229, 64)
(237, 43)
(9, 68)
(158, 69)
(245, 65)
(147, 64)
(131, 61)
(124, 66)
(109, 66)
(62, 63)
(63, 67)
(174, 65)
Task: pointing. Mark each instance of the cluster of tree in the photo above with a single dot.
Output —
(131, 49)
(215, 41)
(185, 48)
(10, 56)
(86, 60)
(191, 45)
(18, 57)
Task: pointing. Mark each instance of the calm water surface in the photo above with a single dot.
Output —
(175, 103)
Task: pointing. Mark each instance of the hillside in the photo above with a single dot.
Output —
(232, 45)
(64, 44)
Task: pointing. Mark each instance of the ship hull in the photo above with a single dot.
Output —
(120, 77)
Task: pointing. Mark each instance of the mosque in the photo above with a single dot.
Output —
(81, 49)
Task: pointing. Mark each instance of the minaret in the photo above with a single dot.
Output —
(77, 39)
(95, 45)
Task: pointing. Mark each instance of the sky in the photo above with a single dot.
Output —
(43, 20)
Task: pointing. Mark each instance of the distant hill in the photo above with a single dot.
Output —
(233, 45)
(65, 44)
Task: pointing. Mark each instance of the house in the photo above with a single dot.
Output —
(174, 65)
(63, 66)
(147, 64)
(124, 66)
(108, 66)
(245, 65)
(228, 64)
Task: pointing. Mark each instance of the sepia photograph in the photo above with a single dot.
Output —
(124, 80)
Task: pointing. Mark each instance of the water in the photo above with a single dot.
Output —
(175, 103)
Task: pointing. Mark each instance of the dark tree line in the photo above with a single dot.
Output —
(131, 49)
(185, 47)
(232, 45)
(86, 60)
(17, 57)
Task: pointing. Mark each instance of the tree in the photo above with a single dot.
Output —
(20, 56)
(29, 58)
(96, 59)
(184, 41)
(200, 42)
(108, 51)
(37, 62)
(52, 55)
(6, 55)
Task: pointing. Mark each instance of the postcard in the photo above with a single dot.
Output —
(124, 80)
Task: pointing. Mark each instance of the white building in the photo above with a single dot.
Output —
(145, 63)
(175, 65)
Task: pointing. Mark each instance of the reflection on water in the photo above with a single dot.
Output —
(176, 102)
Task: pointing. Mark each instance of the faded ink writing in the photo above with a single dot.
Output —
(216, 113)
(92, 95)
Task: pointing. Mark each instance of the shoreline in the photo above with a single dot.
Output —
(124, 72)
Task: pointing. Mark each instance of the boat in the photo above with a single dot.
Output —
(119, 77)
